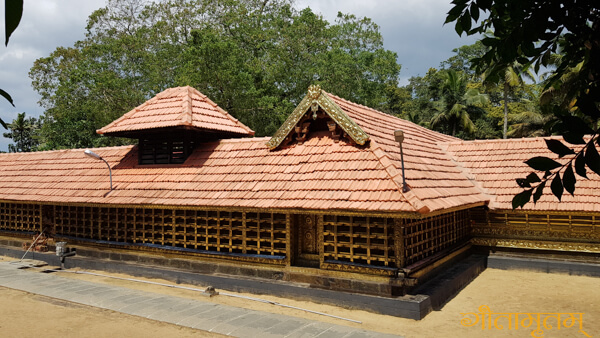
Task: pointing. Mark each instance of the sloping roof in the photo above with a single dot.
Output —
(496, 164)
(320, 174)
(434, 178)
(177, 107)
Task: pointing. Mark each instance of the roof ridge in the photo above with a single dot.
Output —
(508, 140)
(395, 175)
(354, 103)
(468, 174)
(394, 118)
(187, 113)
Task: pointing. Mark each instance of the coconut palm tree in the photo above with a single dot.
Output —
(24, 132)
(514, 75)
(457, 101)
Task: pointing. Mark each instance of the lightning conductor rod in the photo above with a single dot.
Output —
(93, 155)
(399, 136)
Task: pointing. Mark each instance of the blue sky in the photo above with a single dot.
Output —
(412, 28)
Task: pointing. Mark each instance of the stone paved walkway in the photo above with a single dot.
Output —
(193, 313)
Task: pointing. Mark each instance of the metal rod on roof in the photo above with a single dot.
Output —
(93, 155)
(399, 136)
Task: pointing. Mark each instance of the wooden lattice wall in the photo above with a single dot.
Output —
(249, 233)
(361, 240)
(345, 242)
(537, 230)
(218, 231)
(20, 217)
(427, 236)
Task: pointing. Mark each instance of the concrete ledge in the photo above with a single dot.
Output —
(452, 279)
(197, 273)
(503, 262)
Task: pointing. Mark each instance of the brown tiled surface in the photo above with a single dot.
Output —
(320, 174)
(495, 164)
(177, 107)
(434, 178)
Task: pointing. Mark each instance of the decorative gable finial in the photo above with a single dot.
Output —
(297, 126)
(314, 91)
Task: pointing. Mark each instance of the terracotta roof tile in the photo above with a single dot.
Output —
(319, 174)
(177, 107)
(308, 180)
(496, 164)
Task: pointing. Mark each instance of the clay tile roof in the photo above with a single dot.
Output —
(436, 182)
(177, 107)
(319, 174)
(225, 173)
(496, 164)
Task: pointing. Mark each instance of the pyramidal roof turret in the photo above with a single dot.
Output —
(181, 108)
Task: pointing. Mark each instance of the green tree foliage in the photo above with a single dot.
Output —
(425, 95)
(25, 134)
(513, 76)
(422, 100)
(461, 62)
(253, 58)
(457, 104)
(530, 32)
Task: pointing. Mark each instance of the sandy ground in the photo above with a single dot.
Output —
(22, 314)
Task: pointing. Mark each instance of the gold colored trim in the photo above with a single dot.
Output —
(549, 235)
(453, 209)
(544, 212)
(173, 252)
(341, 212)
(359, 269)
(321, 239)
(312, 98)
(537, 245)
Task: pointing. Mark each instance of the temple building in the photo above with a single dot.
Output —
(332, 191)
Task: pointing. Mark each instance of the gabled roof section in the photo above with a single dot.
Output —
(436, 181)
(315, 99)
(181, 107)
(496, 164)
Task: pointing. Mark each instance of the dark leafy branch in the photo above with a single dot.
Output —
(13, 11)
(531, 32)
(588, 155)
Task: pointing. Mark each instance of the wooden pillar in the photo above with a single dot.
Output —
(41, 218)
(244, 248)
(289, 252)
(399, 242)
(320, 240)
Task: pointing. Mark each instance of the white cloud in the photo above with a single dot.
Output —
(45, 25)
(412, 28)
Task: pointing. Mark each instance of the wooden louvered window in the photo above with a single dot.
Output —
(158, 151)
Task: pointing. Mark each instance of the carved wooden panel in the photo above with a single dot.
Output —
(307, 234)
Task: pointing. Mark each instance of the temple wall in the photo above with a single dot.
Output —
(368, 244)
(566, 231)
